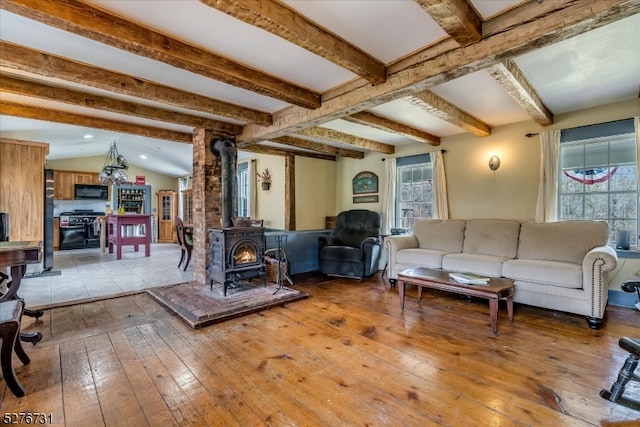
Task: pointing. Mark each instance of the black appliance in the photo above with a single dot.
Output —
(91, 192)
(78, 229)
(47, 252)
(4, 227)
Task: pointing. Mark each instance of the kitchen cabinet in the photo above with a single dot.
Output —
(22, 186)
(63, 185)
(64, 182)
(167, 211)
(86, 178)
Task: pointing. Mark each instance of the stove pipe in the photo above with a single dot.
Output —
(225, 150)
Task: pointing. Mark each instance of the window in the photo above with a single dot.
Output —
(598, 176)
(414, 191)
(185, 208)
(243, 189)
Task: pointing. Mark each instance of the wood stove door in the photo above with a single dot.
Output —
(244, 254)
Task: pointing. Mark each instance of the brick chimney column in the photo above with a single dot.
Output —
(207, 200)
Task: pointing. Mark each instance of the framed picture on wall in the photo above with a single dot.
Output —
(365, 183)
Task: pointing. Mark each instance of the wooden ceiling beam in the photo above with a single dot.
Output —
(456, 17)
(319, 147)
(345, 138)
(285, 22)
(49, 115)
(382, 123)
(21, 58)
(568, 20)
(444, 110)
(15, 85)
(276, 151)
(105, 27)
(510, 77)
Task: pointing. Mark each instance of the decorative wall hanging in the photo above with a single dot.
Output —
(365, 183)
(265, 177)
(366, 199)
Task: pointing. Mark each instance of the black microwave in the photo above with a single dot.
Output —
(93, 192)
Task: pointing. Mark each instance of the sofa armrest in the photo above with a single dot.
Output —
(369, 241)
(595, 265)
(395, 243)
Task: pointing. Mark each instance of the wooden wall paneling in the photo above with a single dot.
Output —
(22, 187)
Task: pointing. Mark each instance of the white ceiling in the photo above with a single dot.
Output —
(595, 68)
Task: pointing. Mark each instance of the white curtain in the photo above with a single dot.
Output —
(546, 208)
(389, 196)
(253, 190)
(440, 200)
(636, 122)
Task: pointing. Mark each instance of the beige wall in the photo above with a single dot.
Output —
(315, 191)
(270, 203)
(477, 192)
(94, 164)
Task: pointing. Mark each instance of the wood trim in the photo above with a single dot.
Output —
(345, 138)
(381, 123)
(21, 58)
(105, 27)
(39, 113)
(456, 17)
(287, 23)
(439, 107)
(275, 151)
(558, 25)
(319, 146)
(289, 192)
(44, 145)
(11, 84)
(510, 77)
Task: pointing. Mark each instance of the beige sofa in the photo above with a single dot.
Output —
(559, 265)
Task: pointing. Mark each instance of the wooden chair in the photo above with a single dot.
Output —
(10, 317)
(185, 240)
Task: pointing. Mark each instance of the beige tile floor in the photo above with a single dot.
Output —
(88, 274)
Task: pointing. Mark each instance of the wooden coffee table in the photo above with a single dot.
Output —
(496, 289)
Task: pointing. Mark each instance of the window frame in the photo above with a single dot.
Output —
(402, 164)
(609, 133)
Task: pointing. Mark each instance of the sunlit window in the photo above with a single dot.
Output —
(598, 176)
(414, 192)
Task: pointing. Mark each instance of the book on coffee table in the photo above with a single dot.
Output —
(469, 278)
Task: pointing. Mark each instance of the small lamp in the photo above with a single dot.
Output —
(494, 162)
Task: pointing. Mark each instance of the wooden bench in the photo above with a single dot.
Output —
(10, 317)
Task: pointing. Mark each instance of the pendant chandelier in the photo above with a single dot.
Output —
(115, 167)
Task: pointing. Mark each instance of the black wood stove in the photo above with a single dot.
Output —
(236, 254)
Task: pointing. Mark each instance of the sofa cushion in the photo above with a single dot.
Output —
(492, 237)
(420, 257)
(564, 241)
(441, 235)
(562, 274)
(488, 265)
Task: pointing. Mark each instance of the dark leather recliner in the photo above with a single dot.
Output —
(354, 248)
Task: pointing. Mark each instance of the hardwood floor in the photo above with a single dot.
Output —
(347, 355)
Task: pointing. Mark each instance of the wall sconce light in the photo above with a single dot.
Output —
(494, 162)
